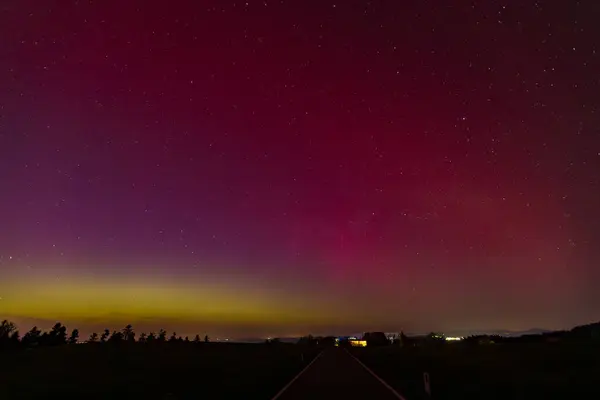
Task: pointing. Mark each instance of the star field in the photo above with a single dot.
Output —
(277, 167)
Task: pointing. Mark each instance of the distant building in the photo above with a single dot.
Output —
(376, 339)
(357, 343)
(351, 341)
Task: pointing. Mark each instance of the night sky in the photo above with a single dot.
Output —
(286, 167)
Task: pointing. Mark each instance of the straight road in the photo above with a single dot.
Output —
(335, 374)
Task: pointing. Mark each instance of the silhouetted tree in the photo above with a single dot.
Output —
(57, 335)
(104, 336)
(151, 338)
(15, 339)
(173, 337)
(143, 338)
(197, 339)
(93, 338)
(307, 340)
(116, 337)
(128, 334)
(6, 329)
(206, 339)
(45, 339)
(74, 337)
(32, 338)
(187, 339)
(162, 335)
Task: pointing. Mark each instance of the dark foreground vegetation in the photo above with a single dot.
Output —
(161, 368)
(117, 365)
(557, 365)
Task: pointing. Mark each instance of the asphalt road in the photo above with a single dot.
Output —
(336, 375)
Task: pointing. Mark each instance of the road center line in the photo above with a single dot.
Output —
(296, 377)
(398, 395)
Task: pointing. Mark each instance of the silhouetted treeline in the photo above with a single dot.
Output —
(311, 340)
(58, 335)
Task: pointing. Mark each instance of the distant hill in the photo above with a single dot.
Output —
(588, 330)
(500, 332)
(533, 331)
(591, 330)
(582, 331)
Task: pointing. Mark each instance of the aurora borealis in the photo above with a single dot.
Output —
(286, 167)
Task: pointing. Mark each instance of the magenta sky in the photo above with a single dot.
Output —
(275, 167)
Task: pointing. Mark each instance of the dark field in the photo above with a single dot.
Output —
(186, 371)
(496, 371)
(259, 371)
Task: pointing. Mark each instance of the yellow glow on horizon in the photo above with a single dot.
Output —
(128, 299)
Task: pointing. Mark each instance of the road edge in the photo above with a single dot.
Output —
(286, 387)
(384, 383)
